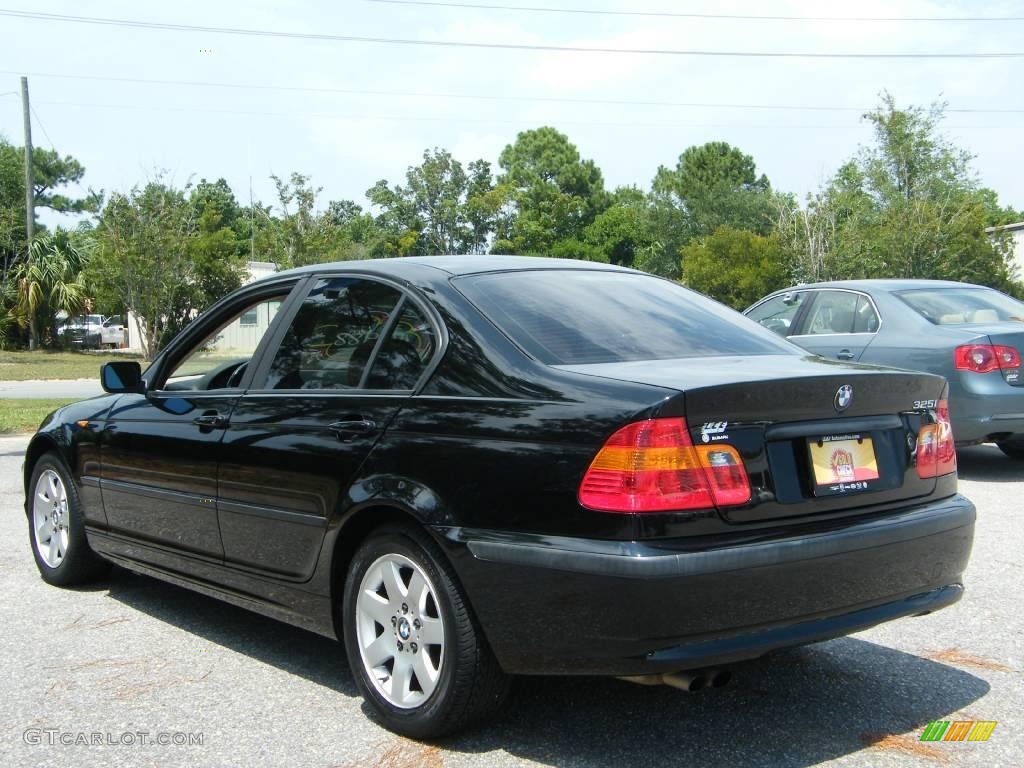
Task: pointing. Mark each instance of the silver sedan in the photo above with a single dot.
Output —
(970, 334)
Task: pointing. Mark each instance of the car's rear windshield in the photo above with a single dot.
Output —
(954, 306)
(576, 316)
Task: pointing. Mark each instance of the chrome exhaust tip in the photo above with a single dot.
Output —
(689, 681)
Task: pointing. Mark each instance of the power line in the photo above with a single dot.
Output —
(679, 15)
(503, 46)
(488, 97)
(43, 127)
(405, 118)
(492, 97)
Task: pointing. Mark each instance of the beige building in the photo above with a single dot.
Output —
(1016, 233)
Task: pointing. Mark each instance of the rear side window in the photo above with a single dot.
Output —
(867, 320)
(332, 336)
(405, 353)
(953, 306)
(836, 312)
(568, 317)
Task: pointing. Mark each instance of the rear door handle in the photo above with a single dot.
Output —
(353, 427)
(845, 354)
(214, 420)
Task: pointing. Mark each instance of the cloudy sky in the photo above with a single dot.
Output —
(349, 113)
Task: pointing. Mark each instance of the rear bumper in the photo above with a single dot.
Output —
(983, 407)
(552, 605)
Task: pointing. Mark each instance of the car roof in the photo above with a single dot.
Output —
(884, 284)
(405, 266)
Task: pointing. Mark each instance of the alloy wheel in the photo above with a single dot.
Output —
(400, 631)
(51, 518)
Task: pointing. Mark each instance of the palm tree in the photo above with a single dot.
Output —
(50, 279)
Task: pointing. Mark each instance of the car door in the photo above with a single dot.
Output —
(160, 449)
(349, 356)
(838, 323)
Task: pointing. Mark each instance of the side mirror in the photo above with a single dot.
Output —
(121, 376)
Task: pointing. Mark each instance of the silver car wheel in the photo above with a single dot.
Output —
(400, 631)
(51, 518)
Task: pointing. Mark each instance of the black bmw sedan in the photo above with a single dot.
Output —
(466, 468)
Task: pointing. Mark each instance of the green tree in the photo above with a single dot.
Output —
(216, 255)
(907, 205)
(735, 266)
(555, 193)
(52, 174)
(443, 207)
(576, 249)
(711, 186)
(50, 279)
(142, 255)
(621, 231)
(300, 234)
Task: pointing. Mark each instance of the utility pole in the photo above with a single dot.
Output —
(252, 226)
(30, 202)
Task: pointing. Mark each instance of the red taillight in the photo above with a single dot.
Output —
(936, 453)
(985, 358)
(653, 466)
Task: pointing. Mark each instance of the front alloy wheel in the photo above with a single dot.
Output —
(57, 526)
(50, 518)
(414, 647)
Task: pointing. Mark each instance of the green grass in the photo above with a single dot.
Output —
(25, 415)
(22, 366)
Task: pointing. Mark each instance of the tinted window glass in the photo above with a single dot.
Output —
(405, 353)
(950, 306)
(833, 312)
(332, 335)
(777, 314)
(580, 316)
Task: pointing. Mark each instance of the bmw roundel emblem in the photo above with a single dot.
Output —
(843, 397)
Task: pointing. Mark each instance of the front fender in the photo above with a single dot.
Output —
(74, 432)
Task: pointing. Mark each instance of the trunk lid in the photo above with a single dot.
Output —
(785, 414)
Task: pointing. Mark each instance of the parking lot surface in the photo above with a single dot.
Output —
(133, 656)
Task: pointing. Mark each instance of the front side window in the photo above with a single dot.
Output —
(332, 336)
(579, 316)
(778, 313)
(209, 365)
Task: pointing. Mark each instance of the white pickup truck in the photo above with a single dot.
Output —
(93, 331)
(113, 332)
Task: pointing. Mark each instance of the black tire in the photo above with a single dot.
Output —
(1014, 448)
(80, 564)
(471, 686)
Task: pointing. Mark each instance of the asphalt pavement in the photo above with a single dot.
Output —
(133, 656)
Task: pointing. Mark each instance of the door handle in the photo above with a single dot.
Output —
(353, 427)
(845, 354)
(212, 420)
